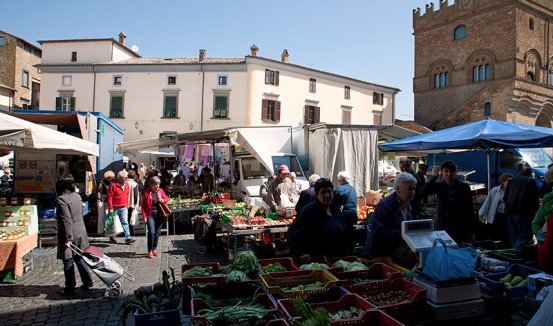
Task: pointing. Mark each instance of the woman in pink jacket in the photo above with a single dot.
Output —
(153, 195)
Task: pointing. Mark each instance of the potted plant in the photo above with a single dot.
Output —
(154, 305)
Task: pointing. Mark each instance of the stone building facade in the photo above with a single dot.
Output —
(19, 79)
(483, 58)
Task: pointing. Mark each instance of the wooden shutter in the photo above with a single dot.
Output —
(72, 104)
(267, 81)
(277, 111)
(374, 97)
(317, 115)
(381, 98)
(264, 104)
(59, 100)
(276, 77)
(306, 114)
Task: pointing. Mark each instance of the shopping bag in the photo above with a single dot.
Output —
(133, 220)
(443, 263)
(113, 225)
(164, 209)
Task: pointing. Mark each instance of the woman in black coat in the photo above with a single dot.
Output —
(455, 207)
(71, 230)
(319, 228)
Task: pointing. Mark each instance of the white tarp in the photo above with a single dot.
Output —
(353, 149)
(18, 134)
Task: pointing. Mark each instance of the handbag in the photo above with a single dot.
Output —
(443, 263)
(164, 209)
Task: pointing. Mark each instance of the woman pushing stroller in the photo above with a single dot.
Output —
(71, 230)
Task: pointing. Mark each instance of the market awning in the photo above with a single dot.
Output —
(17, 134)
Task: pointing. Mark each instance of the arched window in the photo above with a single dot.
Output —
(530, 76)
(441, 80)
(460, 32)
(481, 73)
(531, 24)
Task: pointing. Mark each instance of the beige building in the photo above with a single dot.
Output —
(150, 96)
(19, 78)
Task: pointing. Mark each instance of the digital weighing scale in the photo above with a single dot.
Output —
(445, 299)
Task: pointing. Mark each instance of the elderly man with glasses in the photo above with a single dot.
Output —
(118, 201)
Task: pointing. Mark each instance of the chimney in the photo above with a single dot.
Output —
(254, 50)
(202, 55)
(122, 38)
(284, 56)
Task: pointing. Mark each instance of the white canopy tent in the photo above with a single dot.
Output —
(17, 134)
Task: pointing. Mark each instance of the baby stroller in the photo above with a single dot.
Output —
(107, 269)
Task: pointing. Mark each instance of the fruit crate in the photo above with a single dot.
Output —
(378, 276)
(285, 262)
(310, 259)
(490, 284)
(287, 308)
(385, 260)
(220, 293)
(276, 282)
(411, 308)
(199, 304)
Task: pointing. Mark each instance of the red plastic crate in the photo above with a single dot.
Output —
(311, 259)
(275, 282)
(207, 279)
(417, 303)
(371, 315)
(285, 262)
(222, 291)
(379, 274)
(199, 304)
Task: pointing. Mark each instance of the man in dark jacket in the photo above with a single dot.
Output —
(455, 207)
(521, 204)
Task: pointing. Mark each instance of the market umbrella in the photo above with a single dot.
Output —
(486, 135)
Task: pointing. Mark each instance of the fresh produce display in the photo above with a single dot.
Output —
(236, 276)
(198, 271)
(310, 317)
(214, 302)
(314, 265)
(362, 212)
(349, 266)
(349, 313)
(301, 287)
(388, 298)
(274, 267)
(246, 262)
(511, 281)
(236, 314)
(159, 297)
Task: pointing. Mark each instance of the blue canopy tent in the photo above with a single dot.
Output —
(485, 135)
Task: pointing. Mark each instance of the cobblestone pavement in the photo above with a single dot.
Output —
(33, 298)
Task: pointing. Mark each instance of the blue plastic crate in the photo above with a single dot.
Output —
(491, 285)
(160, 318)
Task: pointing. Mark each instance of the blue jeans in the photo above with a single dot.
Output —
(520, 230)
(69, 272)
(123, 213)
(154, 230)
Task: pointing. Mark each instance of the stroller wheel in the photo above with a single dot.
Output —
(113, 293)
(116, 285)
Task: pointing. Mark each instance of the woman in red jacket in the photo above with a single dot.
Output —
(153, 195)
(545, 251)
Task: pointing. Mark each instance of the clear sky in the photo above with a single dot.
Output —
(369, 40)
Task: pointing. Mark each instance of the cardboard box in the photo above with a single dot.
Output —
(373, 198)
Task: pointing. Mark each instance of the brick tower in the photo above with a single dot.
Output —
(484, 58)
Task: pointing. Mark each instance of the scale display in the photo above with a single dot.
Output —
(419, 235)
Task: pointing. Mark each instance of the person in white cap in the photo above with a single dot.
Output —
(273, 198)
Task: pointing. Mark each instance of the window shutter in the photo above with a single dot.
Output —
(276, 78)
(264, 104)
(277, 111)
(58, 103)
(72, 104)
(266, 76)
(381, 98)
(374, 98)
(317, 117)
(306, 114)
